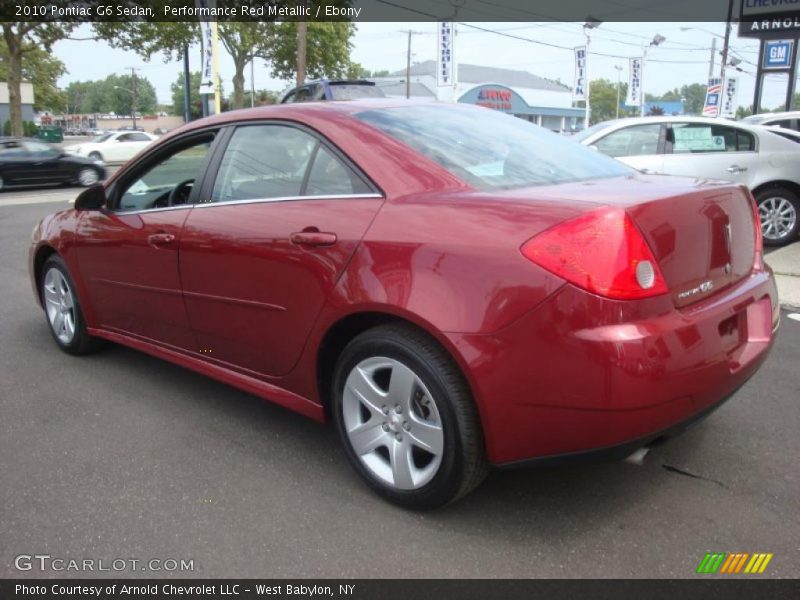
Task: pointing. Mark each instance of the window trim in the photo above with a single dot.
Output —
(224, 139)
(150, 159)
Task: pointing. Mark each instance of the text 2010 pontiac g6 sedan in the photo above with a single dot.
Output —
(453, 287)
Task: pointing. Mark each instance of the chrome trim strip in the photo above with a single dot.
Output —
(208, 204)
(149, 210)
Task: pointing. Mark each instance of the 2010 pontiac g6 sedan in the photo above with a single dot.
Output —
(453, 287)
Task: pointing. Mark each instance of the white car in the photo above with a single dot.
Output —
(767, 163)
(787, 120)
(114, 146)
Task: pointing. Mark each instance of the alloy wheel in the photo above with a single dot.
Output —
(392, 423)
(60, 305)
(778, 217)
(87, 177)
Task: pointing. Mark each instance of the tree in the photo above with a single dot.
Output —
(693, 97)
(244, 40)
(366, 73)
(655, 111)
(603, 100)
(23, 39)
(262, 98)
(328, 48)
(42, 70)
(195, 102)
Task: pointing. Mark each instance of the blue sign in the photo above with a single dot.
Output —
(778, 54)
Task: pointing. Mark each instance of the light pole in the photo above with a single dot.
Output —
(714, 37)
(658, 39)
(591, 23)
(618, 69)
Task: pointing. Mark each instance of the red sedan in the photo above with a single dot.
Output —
(453, 287)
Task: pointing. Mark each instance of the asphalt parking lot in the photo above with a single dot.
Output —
(120, 455)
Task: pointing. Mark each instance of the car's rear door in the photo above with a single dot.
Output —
(710, 151)
(272, 232)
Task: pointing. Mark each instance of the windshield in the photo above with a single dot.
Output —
(489, 149)
(582, 135)
(344, 91)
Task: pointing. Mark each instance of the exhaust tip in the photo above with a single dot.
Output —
(637, 458)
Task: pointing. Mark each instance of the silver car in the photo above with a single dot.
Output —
(767, 163)
(786, 120)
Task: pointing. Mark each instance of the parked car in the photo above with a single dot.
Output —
(448, 302)
(787, 120)
(114, 146)
(333, 89)
(768, 164)
(31, 162)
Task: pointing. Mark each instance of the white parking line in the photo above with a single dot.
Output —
(39, 197)
(794, 316)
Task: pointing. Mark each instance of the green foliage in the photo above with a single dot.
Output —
(693, 96)
(42, 69)
(603, 100)
(327, 50)
(29, 128)
(111, 94)
(362, 73)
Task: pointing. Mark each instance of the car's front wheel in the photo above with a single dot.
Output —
(407, 419)
(95, 156)
(779, 212)
(63, 310)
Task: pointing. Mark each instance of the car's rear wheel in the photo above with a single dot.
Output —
(407, 419)
(88, 176)
(95, 156)
(779, 212)
(63, 310)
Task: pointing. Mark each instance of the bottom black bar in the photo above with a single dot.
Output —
(713, 588)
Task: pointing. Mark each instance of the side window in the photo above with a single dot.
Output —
(136, 137)
(638, 140)
(11, 149)
(263, 161)
(786, 123)
(40, 150)
(330, 177)
(694, 138)
(290, 97)
(303, 95)
(169, 181)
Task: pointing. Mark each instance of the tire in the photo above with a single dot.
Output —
(779, 211)
(392, 421)
(88, 176)
(59, 297)
(1, 184)
(95, 156)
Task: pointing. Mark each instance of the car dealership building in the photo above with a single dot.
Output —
(519, 93)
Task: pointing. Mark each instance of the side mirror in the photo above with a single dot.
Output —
(594, 147)
(92, 198)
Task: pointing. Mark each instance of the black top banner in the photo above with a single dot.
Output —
(367, 10)
(735, 588)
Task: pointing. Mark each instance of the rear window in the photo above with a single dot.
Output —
(491, 150)
(340, 91)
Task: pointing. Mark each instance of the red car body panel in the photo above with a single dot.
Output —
(553, 368)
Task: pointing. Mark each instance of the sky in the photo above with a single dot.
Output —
(682, 59)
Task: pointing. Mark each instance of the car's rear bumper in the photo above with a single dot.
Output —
(581, 373)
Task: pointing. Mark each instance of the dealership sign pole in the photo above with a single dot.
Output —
(777, 25)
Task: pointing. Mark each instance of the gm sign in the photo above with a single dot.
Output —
(778, 54)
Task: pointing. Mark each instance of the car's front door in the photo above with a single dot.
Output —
(42, 164)
(639, 146)
(266, 243)
(710, 151)
(128, 252)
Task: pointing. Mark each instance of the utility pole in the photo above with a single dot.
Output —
(302, 34)
(133, 96)
(725, 51)
(187, 87)
(408, 67)
(713, 57)
(619, 84)
(252, 81)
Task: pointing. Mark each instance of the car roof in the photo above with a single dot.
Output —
(793, 114)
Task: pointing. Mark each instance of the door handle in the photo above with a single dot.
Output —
(733, 169)
(160, 239)
(314, 237)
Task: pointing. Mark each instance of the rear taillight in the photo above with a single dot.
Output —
(602, 252)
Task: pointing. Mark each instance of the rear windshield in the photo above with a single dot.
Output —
(349, 91)
(491, 150)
